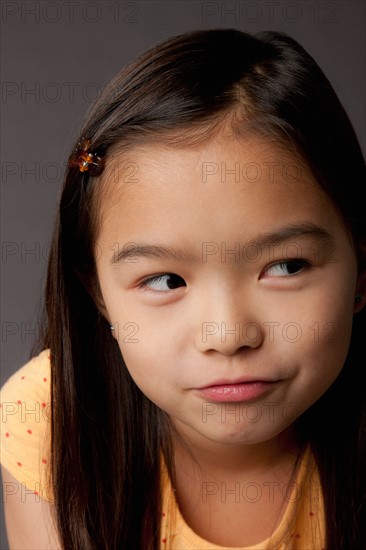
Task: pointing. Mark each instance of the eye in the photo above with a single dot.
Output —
(162, 283)
(287, 268)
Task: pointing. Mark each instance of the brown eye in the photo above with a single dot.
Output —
(162, 283)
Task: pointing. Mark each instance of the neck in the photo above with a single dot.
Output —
(211, 479)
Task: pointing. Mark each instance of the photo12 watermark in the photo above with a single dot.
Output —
(33, 412)
(26, 332)
(251, 492)
(52, 172)
(24, 494)
(254, 333)
(254, 12)
(251, 413)
(252, 172)
(70, 12)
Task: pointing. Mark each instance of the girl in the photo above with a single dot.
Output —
(204, 315)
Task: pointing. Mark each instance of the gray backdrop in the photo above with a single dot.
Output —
(56, 57)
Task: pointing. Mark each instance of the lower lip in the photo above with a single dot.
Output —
(236, 392)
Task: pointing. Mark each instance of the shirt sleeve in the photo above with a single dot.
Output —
(25, 426)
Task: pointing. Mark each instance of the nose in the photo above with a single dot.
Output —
(227, 323)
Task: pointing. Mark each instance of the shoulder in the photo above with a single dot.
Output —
(25, 424)
(28, 378)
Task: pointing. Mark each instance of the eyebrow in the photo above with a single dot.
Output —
(282, 235)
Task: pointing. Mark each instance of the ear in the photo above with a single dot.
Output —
(93, 288)
(360, 296)
(97, 296)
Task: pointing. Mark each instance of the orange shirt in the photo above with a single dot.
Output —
(25, 424)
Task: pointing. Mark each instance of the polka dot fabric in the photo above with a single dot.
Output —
(25, 426)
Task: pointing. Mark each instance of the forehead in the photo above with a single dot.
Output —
(213, 189)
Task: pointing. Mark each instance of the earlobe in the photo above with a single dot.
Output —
(360, 295)
(358, 303)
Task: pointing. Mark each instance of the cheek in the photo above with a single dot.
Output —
(149, 362)
(319, 322)
(320, 351)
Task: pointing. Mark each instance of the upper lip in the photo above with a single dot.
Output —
(231, 382)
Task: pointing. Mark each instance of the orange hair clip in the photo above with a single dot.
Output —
(84, 159)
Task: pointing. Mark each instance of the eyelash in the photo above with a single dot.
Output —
(144, 285)
(304, 263)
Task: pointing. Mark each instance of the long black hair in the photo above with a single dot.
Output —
(107, 437)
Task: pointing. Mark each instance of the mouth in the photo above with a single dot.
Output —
(237, 391)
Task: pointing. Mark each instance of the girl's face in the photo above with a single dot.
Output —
(230, 280)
